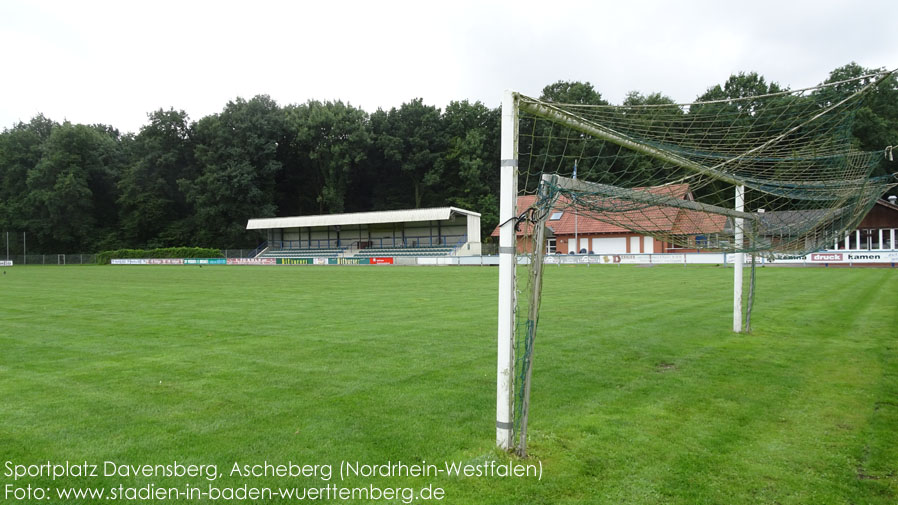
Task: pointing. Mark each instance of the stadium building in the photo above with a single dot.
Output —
(583, 232)
(877, 231)
(442, 231)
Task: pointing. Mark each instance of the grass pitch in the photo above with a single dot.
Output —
(641, 393)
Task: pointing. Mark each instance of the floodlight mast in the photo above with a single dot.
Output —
(507, 263)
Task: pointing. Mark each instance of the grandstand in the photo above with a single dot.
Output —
(441, 231)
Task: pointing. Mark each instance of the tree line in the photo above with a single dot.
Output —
(176, 182)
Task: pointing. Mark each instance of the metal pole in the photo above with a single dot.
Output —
(507, 264)
(740, 260)
(24, 252)
(751, 295)
(536, 284)
(576, 223)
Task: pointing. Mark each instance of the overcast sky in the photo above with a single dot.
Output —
(112, 62)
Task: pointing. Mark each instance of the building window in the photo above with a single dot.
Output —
(550, 246)
(870, 239)
(556, 216)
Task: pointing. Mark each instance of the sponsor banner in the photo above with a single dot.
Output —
(454, 261)
(148, 261)
(828, 257)
(129, 261)
(5, 263)
(205, 261)
(381, 261)
(840, 257)
(294, 261)
(320, 261)
(349, 261)
(788, 258)
(856, 257)
(709, 258)
(604, 259)
(818, 258)
(660, 259)
(730, 257)
(252, 261)
(626, 259)
(165, 261)
(632, 259)
(483, 260)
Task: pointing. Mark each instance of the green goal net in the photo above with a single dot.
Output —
(767, 174)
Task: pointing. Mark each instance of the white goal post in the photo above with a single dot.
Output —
(507, 264)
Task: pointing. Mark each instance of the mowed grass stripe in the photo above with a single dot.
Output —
(641, 393)
(749, 381)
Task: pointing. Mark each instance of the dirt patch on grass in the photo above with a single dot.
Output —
(665, 366)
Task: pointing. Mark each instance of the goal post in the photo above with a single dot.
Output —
(507, 265)
(764, 174)
(739, 225)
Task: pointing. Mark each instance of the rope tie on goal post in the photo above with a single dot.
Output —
(535, 216)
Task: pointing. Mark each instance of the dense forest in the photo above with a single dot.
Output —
(85, 188)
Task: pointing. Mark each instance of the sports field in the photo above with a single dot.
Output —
(641, 392)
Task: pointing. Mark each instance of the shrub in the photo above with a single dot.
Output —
(104, 257)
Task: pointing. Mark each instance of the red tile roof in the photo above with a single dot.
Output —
(640, 219)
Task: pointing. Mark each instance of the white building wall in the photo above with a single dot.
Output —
(584, 245)
(611, 245)
(472, 247)
(648, 244)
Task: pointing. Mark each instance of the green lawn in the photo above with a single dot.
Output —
(641, 392)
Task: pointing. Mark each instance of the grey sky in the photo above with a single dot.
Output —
(113, 61)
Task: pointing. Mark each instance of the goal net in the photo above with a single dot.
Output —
(767, 174)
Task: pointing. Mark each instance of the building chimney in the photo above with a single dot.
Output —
(892, 199)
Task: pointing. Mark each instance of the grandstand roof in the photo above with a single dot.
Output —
(356, 218)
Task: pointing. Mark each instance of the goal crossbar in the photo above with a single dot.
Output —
(588, 127)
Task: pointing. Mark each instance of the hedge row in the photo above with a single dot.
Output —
(104, 257)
